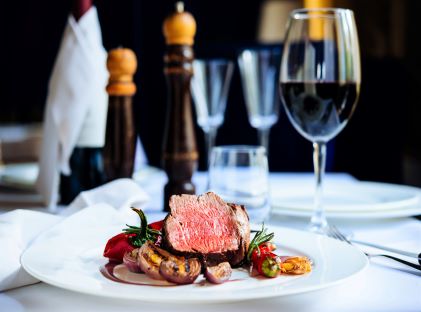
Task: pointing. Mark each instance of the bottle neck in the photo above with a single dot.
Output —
(80, 7)
(92, 132)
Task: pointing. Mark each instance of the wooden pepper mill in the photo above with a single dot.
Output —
(120, 137)
(179, 151)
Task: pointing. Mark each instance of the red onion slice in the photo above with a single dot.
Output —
(218, 274)
(130, 260)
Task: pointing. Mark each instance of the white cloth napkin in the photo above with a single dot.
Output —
(19, 228)
(120, 194)
(76, 99)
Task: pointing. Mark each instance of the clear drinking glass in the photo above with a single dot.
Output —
(239, 174)
(320, 83)
(209, 87)
(259, 70)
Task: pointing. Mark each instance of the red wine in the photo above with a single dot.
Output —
(319, 110)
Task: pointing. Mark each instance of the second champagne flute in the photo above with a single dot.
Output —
(259, 74)
(209, 86)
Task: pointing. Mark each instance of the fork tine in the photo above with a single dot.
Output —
(332, 233)
(340, 235)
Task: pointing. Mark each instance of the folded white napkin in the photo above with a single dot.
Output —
(76, 101)
(19, 228)
(120, 194)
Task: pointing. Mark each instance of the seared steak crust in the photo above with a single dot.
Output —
(207, 228)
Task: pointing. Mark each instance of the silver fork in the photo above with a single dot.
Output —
(335, 233)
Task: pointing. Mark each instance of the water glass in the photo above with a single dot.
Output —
(239, 174)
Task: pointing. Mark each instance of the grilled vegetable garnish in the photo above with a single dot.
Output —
(295, 265)
(145, 232)
(219, 273)
(261, 256)
(180, 270)
(130, 260)
(158, 263)
(268, 264)
(150, 257)
(260, 238)
(133, 237)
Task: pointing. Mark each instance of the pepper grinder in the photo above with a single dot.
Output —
(120, 137)
(179, 148)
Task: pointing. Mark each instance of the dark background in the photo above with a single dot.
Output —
(380, 142)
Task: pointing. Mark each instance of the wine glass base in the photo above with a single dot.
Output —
(319, 227)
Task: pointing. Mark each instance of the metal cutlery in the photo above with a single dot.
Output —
(394, 250)
(335, 233)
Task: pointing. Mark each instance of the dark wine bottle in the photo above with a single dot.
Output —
(86, 162)
(87, 167)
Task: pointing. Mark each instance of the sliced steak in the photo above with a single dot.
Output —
(208, 228)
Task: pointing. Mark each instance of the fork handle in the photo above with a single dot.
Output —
(396, 251)
(412, 265)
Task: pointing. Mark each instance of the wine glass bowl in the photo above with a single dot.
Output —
(320, 81)
(259, 70)
(209, 87)
(315, 114)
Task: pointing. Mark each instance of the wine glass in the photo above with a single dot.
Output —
(320, 83)
(209, 87)
(259, 74)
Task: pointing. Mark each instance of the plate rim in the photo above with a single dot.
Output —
(398, 212)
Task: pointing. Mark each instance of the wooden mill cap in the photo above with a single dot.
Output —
(121, 64)
(179, 27)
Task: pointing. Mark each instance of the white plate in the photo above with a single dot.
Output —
(77, 269)
(349, 200)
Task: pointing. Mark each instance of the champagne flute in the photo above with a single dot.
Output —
(320, 83)
(259, 70)
(209, 87)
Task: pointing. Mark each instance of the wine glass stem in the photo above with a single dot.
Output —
(318, 220)
(264, 138)
(210, 142)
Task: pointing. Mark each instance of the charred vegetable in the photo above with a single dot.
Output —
(295, 265)
(150, 257)
(117, 246)
(130, 260)
(219, 273)
(270, 266)
(180, 270)
(262, 258)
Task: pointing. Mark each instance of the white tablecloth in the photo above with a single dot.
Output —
(384, 286)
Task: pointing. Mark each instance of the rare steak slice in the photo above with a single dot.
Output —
(208, 228)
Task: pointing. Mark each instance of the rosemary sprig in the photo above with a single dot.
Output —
(259, 238)
(143, 233)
